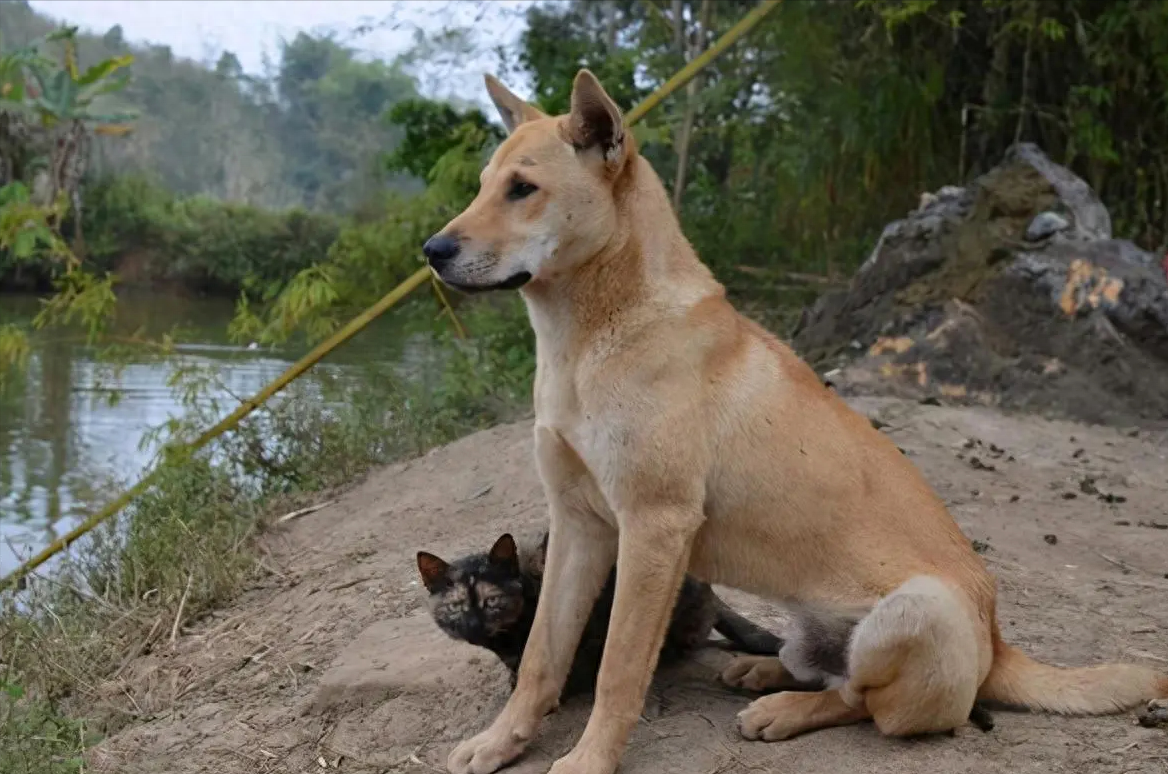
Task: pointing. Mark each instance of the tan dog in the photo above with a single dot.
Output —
(673, 433)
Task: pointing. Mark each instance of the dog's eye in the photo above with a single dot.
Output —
(520, 189)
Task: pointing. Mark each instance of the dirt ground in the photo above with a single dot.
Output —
(330, 663)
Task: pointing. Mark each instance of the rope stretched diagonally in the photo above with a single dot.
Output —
(683, 76)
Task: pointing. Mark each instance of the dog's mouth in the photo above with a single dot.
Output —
(514, 282)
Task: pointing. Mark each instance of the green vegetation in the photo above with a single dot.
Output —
(306, 193)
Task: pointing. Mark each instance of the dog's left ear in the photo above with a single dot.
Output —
(512, 110)
(595, 120)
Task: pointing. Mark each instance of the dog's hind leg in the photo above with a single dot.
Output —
(917, 659)
(784, 715)
(581, 550)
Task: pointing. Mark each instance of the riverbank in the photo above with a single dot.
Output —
(190, 545)
(327, 654)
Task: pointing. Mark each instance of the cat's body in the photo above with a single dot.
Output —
(489, 600)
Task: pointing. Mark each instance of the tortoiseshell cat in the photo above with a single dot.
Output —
(489, 600)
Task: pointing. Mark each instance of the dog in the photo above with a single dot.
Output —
(674, 434)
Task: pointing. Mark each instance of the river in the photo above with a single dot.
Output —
(65, 448)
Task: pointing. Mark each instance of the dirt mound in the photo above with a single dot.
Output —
(330, 662)
(1011, 292)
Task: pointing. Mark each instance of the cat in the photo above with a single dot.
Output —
(489, 599)
(816, 645)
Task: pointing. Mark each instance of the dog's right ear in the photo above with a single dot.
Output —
(513, 110)
(432, 569)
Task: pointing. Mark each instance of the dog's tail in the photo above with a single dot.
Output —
(743, 634)
(1018, 680)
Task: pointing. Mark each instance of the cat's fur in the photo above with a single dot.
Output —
(488, 599)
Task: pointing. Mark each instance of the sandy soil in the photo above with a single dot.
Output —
(330, 663)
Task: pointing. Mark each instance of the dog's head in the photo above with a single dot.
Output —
(546, 200)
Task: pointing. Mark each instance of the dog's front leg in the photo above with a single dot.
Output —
(581, 551)
(652, 560)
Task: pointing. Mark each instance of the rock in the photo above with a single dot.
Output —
(1009, 292)
(1044, 225)
(404, 656)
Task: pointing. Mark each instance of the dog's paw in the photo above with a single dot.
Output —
(486, 753)
(756, 673)
(584, 762)
(1155, 714)
(770, 719)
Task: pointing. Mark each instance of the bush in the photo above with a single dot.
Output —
(198, 242)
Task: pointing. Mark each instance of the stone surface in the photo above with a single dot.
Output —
(1009, 292)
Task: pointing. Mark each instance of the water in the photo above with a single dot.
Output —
(62, 443)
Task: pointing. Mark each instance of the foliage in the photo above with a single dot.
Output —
(198, 242)
(370, 258)
(66, 93)
(303, 133)
(831, 118)
(431, 130)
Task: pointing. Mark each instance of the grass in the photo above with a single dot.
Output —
(188, 545)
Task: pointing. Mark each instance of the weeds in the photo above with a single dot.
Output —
(187, 546)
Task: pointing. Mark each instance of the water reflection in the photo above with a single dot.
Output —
(64, 447)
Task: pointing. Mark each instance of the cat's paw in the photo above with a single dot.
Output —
(487, 752)
(756, 673)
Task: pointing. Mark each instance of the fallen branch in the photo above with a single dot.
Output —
(304, 511)
(182, 603)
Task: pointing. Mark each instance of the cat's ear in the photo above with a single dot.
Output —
(504, 552)
(432, 569)
(539, 560)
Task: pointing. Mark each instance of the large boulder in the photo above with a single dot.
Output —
(1010, 292)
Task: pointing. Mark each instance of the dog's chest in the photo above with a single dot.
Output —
(573, 445)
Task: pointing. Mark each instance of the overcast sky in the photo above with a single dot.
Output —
(201, 30)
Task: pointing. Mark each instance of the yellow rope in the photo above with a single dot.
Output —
(359, 322)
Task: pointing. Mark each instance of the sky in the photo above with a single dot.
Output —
(202, 29)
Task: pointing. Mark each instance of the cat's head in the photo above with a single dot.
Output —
(476, 597)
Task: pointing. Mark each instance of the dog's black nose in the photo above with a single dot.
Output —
(440, 250)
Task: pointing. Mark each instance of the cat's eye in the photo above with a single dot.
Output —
(520, 189)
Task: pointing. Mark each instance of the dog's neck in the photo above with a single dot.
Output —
(646, 272)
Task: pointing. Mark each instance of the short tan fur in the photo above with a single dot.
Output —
(674, 434)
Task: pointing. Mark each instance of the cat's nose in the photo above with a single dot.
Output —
(474, 630)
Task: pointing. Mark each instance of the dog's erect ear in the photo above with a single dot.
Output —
(595, 120)
(513, 110)
(432, 569)
(504, 552)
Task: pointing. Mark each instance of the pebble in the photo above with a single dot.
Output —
(1044, 225)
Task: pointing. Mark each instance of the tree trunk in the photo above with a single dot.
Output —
(610, 25)
(685, 135)
(993, 98)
